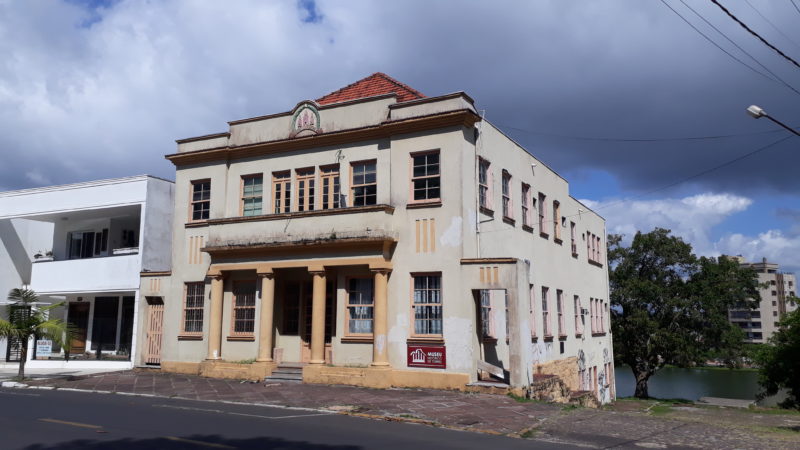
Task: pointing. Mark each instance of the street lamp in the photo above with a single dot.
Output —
(757, 112)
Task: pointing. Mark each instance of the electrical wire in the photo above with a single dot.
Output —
(749, 30)
(614, 139)
(715, 44)
(795, 6)
(740, 48)
(771, 24)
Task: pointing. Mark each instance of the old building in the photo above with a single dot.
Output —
(85, 245)
(777, 292)
(379, 237)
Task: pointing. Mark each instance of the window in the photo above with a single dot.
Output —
(578, 316)
(556, 220)
(365, 185)
(593, 315)
(542, 214)
(427, 304)
(593, 248)
(574, 243)
(526, 205)
(545, 311)
(281, 192)
(562, 326)
(425, 178)
(193, 308)
(598, 252)
(329, 179)
(252, 194)
(200, 204)
(244, 308)
(506, 185)
(360, 306)
(531, 311)
(602, 305)
(505, 316)
(87, 244)
(484, 184)
(486, 313)
(305, 189)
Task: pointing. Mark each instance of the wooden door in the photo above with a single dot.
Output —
(78, 318)
(306, 303)
(155, 321)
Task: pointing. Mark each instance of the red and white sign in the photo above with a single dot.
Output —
(427, 356)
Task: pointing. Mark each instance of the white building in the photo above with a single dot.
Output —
(85, 245)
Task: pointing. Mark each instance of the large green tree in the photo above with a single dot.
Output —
(779, 362)
(27, 319)
(669, 307)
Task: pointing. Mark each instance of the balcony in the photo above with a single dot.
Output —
(119, 272)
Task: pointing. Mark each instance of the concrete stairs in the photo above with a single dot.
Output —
(287, 373)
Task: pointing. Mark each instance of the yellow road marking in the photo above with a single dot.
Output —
(205, 444)
(74, 424)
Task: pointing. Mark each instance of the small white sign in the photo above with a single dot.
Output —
(44, 348)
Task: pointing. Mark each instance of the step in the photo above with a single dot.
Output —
(494, 384)
(284, 371)
(291, 365)
(284, 377)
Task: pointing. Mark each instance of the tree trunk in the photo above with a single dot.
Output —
(641, 385)
(23, 358)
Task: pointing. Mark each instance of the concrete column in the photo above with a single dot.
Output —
(267, 311)
(215, 319)
(318, 316)
(380, 325)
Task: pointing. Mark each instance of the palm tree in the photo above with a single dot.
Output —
(26, 320)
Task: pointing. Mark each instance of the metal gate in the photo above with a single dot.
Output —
(155, 320)
(14, 350)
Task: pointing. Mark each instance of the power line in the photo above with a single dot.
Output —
(614, 139)
(691, 177)
(740, 48)
(743, 25)
(795, 6)
(715, 44)
(770, 23)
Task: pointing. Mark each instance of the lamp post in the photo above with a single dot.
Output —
(757, 112)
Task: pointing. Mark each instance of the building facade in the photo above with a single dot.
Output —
(85, 245)
(380, 238)
(778, 292)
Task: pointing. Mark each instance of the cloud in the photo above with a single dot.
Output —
(775, 245)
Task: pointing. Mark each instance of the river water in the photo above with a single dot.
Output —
(691, 384)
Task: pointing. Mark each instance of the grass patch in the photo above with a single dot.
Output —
(660, 410)
(521, 399)
(529, 433)
(571, 407)
(408, 416)
(245, 361)
(764, 410)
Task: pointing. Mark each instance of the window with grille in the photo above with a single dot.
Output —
(281, 192)
(244, 307)
(360, 306)
(425, 178)
(365, 183)
(329, 181)
(193, 308)
(427, 305)
(506, 187)
(200, 205)
(484, 183)
(252, 195)
(305, 189)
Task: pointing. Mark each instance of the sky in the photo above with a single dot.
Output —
(642, 114)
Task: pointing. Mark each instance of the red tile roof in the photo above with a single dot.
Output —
(376, 84)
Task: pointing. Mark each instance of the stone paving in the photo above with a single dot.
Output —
(626, 424)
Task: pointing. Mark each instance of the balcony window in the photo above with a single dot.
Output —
(329, 180)
(425, 178)
(87, 244)
(200, 205)
(365, 183)
(305, 189)
(252, 195)
(281, 192)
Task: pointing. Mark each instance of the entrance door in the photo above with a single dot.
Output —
(78, 318)
(306, 312)
(155, 321)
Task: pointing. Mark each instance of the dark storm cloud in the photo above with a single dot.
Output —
(81, 103)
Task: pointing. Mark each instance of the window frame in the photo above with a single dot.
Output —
(525, 205)
(354, 186)
(487, 315)
(185, 308)
(485, 189)
(576, 305)
(556, 220)
(573, 238)
(242, 197)
(348, 305)
(413, 328)
(562, 323)
(546, 328)
(278, 200)
(234, 307)
(542, 210)
(332, 174)
(505, 192)
(413, 178)
(193, 202)
(307, 177)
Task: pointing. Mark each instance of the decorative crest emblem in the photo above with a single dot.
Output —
(305, 120)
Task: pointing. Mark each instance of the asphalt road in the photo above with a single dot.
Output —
(41, 419)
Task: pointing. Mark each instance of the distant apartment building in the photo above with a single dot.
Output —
(85, 245)
(378, 237)
(777, 290)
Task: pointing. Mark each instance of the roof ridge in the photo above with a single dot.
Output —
(399, 83)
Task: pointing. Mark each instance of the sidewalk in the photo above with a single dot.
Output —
(627, 423)
(9, 372)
